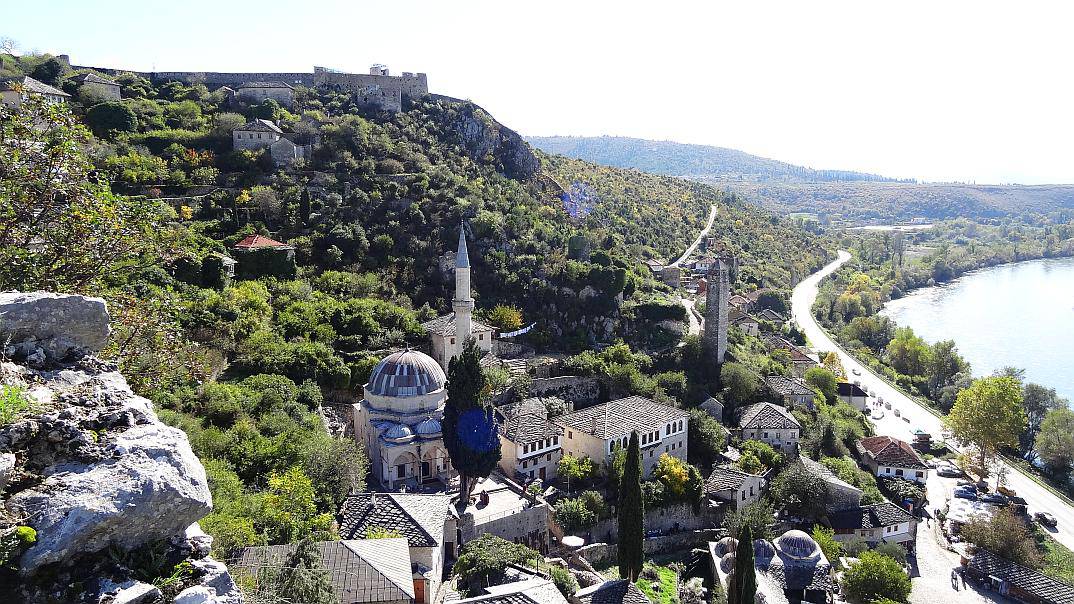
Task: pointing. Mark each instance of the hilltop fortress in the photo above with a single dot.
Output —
(378, 87)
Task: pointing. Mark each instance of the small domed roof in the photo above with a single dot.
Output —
(399, 433)
(763, 550)
(428, 427)
(796, 544)
(727, 562)
(406, 373)
(726, 545)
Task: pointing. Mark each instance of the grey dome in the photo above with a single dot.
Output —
(726, 545)
(428, 427)
(796, 544)
(406, 373)
(763, 551)
(399, 433)
(727, 562)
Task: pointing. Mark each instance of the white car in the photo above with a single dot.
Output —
(855, 371)
(878, 414)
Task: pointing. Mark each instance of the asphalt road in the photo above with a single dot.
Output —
(911, 415)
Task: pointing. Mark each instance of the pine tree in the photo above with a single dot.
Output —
(742, 588)
(631, 514)
(470, 434)
(302, 579)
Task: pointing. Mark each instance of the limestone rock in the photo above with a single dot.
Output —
(484, 136)
(57, 326)
(127, 592)
(7, 466)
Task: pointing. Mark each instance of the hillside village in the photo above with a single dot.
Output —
(424, 395)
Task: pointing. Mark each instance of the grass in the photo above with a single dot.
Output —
(14, 404)
(668, 579)
(1058, 559)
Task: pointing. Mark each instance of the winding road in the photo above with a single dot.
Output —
(913, 415)
(697, 242)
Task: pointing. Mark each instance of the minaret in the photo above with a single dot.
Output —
(716, 310)
(463, 304)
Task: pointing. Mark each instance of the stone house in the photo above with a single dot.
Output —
(256, 134)
(423, 522)
(13, 91)
(747, 324)
(260, 256)
(529, 442)
(256, 92)
(771, 316)
(890, 457)
(367, 571)
(597, 431)
(794, 392)
(1017, 582)
(285, 151)
(616, 591)
(772, 424)
(98, 86)
(713, 407)
(881, 522)
(739, 302)
(841, 494)
(853, 395)
(733, 486)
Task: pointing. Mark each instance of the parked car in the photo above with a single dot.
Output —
(887, 405)
(855, 371)
(878, 414)
(896, 413)
(966, 494)
(948, 471)
(994, 498)
(1046, 519)
(880, 400)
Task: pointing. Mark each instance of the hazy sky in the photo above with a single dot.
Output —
(937, 90)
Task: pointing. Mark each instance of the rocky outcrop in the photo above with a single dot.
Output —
(93, 471)
(484, 137)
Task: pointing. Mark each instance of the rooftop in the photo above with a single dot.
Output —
(266, 85)
(257, 241)
(530, 591)
(92, 78)
(848, 389)
(445, 325)
(524, 428)
(417, 517)
(618, 591)
(891, 451)
(821, 471)
(785, 386)
(406, 373)
(870, 516)
(260, 125)
(30, 85)
(725, 478)
(767, 416)
(364, 570)
(1049, 590)
(621, 417)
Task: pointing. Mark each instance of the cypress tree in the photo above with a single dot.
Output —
(742, 588)
(631, 514)
(303, 578)
(469, 426)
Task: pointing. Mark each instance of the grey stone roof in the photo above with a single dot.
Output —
(770, 315)
(869, 516)
(406, 373)
(260, 125)
(785, 386)
(767, 416)
(626, 415)
(445, 325)
(31, 85)
(725, 478)
(890, 451)
(524, 428)
(618, 591)
(821, 471)
(713, 407)
(531, 591)
(95, 79)
(366, 570)
(848, 389)
(420, 518)
(266, 85)
(1049, 590)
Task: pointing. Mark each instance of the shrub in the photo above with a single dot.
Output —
(563, 580)
(14, 404)
(875, 576)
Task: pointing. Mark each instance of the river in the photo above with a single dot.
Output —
(1019, 314)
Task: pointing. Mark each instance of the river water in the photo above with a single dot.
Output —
(1019, 314)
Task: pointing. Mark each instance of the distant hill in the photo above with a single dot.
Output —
(831, 194)
(691, 161)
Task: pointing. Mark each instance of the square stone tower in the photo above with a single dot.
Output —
(716, 309)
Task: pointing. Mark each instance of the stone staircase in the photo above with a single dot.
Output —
(515, 367)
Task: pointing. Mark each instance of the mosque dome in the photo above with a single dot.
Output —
(798, 545)
(727, 562)
(726, 545)
(763, 551)
(399, 433)
(428, 428)
(406, 373)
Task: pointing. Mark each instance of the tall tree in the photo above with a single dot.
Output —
(742, 588)
(1038, 401)
(631, 514)
(1055, 441)
(469, 425)
(989, 415)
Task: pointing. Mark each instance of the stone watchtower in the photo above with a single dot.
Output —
(716, 305)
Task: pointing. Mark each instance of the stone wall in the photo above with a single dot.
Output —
(603, 554)
(572, 388)
(674, 518)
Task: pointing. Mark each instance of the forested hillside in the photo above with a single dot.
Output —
(832, 194)
(142, 200)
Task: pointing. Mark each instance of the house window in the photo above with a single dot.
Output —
(743, 496)
(570, 434)
(898, 472)
(920, 474)
(400, 470)
(452, 340)
(548, 457)
(525, 464)
(766, 434)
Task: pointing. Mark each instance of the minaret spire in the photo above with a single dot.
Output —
(463, 304)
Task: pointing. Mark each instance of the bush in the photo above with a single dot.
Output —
(106, 119)
(875, 576)
(14, 404)
(564, 581)
(573, 515)
(487, 556)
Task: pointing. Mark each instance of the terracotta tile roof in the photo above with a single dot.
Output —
(618, 591)
(873, 516)
(890, 452)
(366, 570)
(445, 325)
(1049, 590)
(767, 416)
(626, 415)
(420, 518)
(255, 241)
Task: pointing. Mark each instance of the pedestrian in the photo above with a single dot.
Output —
(954, 580)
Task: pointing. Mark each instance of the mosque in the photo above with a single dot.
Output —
(400, 415)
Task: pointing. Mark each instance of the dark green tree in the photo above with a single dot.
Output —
(106, 119)
(470, 434)
(631, 514)
(49, 71)
(742, 588)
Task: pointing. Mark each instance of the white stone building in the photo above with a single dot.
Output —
(98, 86)
(399, 418)
(448, 333)
(597, 431)
(257, 134)
(772, 424)
(529, 442)
(733, 486)
(13, 91)
(890, 457)
(882, 522)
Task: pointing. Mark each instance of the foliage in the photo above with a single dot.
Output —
(302, 578)
(989, 415)
(573, 515)
(469, 426)
(290, 510)
(825, 538)
(742, 585)
(13, 542)
(563, 580)
(706, 438)
(758, 516)
(1055, 441)
(487, 556)
(800, 492)
(875, 576)
(673, 472)
(631, 514)
(574, 468)
(1004, 534)
(825, 382)
(764, 452)
(505, 318)
(740, 384)
(111, 117)
(14, 404)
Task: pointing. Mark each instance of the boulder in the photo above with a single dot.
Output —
(50, 325)
(151, 488)
(105, 591)
(7, 466)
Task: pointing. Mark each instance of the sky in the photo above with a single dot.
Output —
(939, 91)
